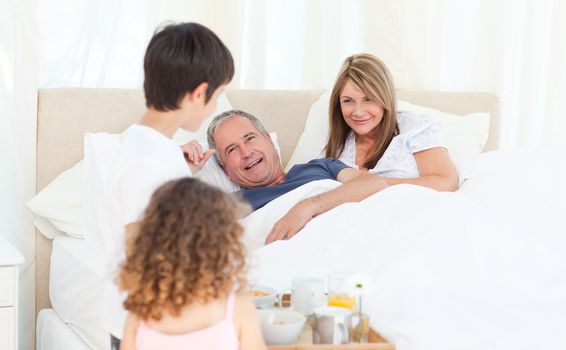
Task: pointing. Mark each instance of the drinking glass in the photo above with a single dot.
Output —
(339, 291)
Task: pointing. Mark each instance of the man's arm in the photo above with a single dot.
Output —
(357, 185)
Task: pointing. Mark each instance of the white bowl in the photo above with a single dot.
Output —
(281, 326)
(264, 301)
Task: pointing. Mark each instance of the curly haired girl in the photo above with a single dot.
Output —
(181, 270)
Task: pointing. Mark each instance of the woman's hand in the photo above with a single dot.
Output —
(357, 186)
(195, 156)
(292, 222)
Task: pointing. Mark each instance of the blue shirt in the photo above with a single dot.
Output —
(317, 169)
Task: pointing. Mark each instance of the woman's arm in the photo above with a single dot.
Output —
(128, 341)
(357, 185)
(436, 169)
(248, 324)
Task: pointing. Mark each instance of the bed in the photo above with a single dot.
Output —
(68, 271)
(76, 274)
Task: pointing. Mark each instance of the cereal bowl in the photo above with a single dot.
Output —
(281, 326)
(263, 297)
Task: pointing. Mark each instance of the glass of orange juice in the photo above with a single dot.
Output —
(338, 291)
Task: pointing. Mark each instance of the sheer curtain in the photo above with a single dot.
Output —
(511, 48)
(18, 96)
(514, 49)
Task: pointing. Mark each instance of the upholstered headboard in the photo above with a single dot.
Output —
(64, 115)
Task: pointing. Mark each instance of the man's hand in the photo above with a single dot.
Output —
(194, 155)
(292, 222)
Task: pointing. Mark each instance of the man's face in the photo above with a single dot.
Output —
(249, 158)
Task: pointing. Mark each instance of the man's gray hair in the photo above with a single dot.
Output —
(221, 118)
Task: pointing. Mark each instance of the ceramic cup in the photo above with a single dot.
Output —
(331, 325)
(307, 293)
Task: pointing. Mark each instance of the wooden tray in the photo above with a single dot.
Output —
(375, 342)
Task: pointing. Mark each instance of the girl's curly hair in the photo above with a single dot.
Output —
(188, 249)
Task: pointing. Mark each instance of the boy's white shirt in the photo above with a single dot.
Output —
(145, 160)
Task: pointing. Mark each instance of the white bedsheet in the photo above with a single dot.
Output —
(52, 333)
(481, 268)
(75, 289)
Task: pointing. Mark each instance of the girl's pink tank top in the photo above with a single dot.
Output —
(220, 336)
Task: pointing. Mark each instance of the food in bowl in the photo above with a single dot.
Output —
(280, 326)
(258, 293)
(263, 297)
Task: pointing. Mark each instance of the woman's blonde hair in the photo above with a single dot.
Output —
(188, 249)
(371, 75)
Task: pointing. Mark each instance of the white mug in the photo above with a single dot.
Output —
(307, 293)
(331, 325)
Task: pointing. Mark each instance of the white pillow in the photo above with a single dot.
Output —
(313, 138)
(464, 135)
(57, 208)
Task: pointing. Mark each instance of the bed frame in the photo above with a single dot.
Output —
(65, 114)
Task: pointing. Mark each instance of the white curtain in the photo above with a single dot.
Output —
(513, 48)
(18, 96)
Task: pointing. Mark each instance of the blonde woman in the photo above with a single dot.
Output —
(367, 132)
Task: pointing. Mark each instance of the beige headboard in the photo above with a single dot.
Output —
(64, 115)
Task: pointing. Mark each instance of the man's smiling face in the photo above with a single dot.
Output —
(249, 158)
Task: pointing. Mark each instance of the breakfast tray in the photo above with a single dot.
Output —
(375, 342)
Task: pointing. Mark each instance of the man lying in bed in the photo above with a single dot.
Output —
(247, 154)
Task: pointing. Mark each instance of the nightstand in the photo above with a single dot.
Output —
(10, 258)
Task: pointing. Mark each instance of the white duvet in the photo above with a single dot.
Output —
(481, 268)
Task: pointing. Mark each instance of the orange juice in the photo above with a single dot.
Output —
(341, 300)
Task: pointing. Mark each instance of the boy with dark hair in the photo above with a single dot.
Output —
(186, 67)
(181, 57)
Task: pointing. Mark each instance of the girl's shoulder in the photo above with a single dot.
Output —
(243, 301)
(243, 306)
